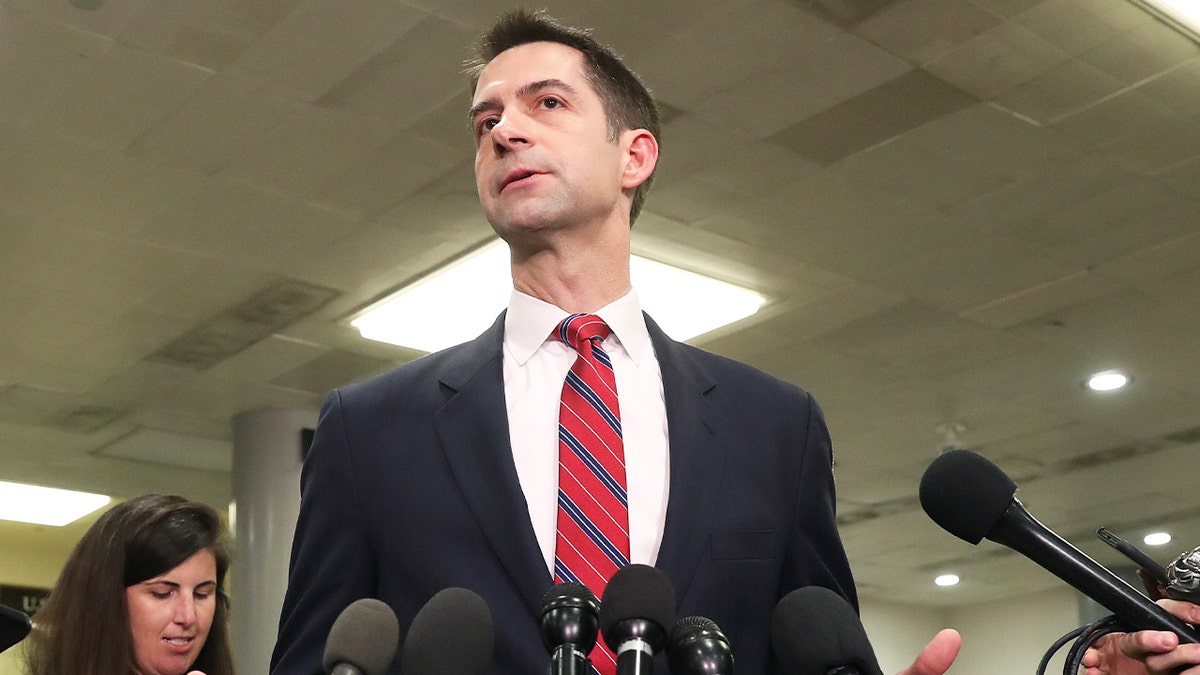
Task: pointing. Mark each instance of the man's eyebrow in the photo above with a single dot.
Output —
(540, 85)
(525, 90)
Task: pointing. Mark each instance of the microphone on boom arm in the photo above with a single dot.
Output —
(972, 498)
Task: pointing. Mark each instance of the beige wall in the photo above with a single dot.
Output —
(27, 566)
(998, 638)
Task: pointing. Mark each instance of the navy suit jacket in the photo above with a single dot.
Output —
(410, 487)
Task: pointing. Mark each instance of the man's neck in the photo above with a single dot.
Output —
(575, 278)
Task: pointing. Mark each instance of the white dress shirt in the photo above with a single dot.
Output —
(535, 366)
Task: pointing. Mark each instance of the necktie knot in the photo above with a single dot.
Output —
(578, 329)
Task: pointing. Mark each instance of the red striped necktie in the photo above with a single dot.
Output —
(593, 510)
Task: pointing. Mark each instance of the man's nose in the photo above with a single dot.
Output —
(510, 133)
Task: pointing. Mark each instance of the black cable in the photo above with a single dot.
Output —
(1058, 644)
(1084, 636)
(1093, 632)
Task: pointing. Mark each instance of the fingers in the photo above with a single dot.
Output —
(936, 657)
(1184, 610)
(1176, 660)
(1145, 643)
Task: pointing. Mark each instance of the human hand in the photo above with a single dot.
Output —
(1147, 651)
(936, 657)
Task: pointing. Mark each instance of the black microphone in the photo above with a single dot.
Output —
(451, 635)
(972, 498)
(363, 639)
(14, 626)
(638, 605)
(814, 631)
(696, 646)
(570, 624)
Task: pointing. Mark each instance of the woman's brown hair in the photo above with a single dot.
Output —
(83, 628)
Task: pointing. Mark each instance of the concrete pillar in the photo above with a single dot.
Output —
(267, 455)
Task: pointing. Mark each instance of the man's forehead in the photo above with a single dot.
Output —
(530, 62)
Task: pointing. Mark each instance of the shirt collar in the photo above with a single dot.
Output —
(530, 321)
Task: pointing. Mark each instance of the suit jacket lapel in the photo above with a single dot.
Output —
(696, 457)
(473, 427)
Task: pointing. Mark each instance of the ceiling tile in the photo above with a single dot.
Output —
(1041, 300)
(844, 12)
(923, 30)
(1116, 119)
(909, 101)
(109, 19)
(1177, 88)
(123, 95)
(330, 370)
(1075, 26)
(997, 60)
(43, 63)
(765, 102)
(318, 43)
(1060, 91)
(408, 79)
(691, 63)
(1160, 148)
(193, 31)
(1142, 53)
(394, 171)
(164, 447)
(281, 161)
(213, 128)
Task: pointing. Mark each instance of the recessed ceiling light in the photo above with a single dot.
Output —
(46, 506)
(1107, 381)
(946, 580)
(457, 302)
(1157, 538)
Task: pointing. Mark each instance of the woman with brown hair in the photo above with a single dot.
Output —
(141, 594)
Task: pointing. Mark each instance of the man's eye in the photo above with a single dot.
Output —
(551, 102)
(487, 124)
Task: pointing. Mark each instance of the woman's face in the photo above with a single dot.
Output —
(170, 615)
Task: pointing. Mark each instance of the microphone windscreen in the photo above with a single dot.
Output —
(815, 631)
(637, 592)
(689, 627)
(966, 494)
(451, 635)
(697, 645)
(569, 593)
(365, 636)
(14, 626)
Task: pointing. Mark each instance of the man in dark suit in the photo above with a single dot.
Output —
(441, 473)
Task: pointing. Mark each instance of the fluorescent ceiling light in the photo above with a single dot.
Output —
(457, 302)
(46, 506)
(1184, 14)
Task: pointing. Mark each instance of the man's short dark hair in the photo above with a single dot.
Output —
(627, 102)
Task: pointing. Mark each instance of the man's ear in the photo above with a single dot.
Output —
(641, 157)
